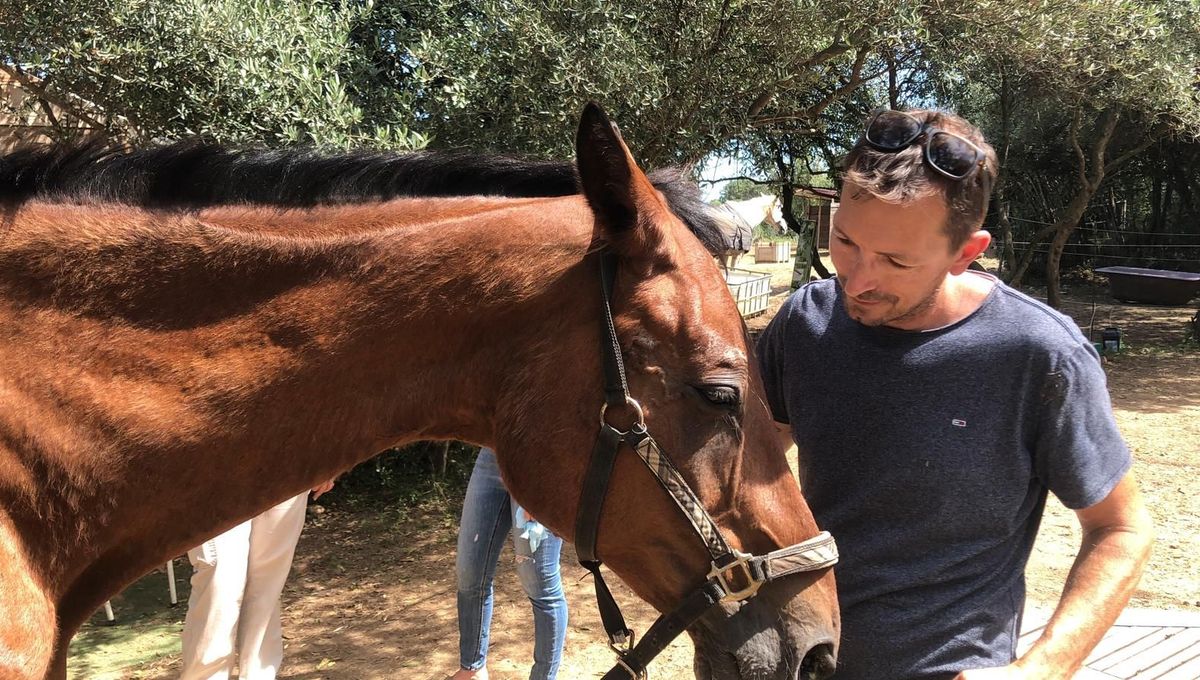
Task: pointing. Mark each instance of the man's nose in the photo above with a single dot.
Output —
(861, 278)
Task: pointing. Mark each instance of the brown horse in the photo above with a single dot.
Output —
(182, 347)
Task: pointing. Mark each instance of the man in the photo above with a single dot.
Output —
(237, 578)
(949, 404)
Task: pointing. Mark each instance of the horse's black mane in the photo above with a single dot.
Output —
(192, 174)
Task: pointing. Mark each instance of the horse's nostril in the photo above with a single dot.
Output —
(818, 664)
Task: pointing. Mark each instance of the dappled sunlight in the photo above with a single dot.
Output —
(1161, 383)
(372, 595)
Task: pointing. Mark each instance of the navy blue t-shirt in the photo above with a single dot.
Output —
(928, 455)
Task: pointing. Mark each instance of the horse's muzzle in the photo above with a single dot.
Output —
(758, 641)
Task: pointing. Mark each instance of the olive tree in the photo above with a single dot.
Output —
(270, 71)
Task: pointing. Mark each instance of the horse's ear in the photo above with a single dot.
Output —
(618, 192)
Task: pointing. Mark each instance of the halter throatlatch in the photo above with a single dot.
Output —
(733, 576)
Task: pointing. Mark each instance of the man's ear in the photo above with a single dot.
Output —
(967, 252)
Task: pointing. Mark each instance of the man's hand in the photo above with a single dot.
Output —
(1117, 535)
(1010, 672)
(320, 489)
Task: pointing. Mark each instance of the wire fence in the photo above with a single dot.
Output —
(1084, 227)
(1045, 248)
(1097, 242)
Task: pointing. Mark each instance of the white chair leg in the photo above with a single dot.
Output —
(171, 581)
(108, 612)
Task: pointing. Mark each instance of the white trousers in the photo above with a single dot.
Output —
(233, 611)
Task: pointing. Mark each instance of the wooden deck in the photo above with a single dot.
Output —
(1143, 645)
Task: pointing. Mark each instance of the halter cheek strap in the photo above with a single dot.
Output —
(733, 575)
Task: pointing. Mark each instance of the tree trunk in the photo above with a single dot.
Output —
(805, 243)
(893, 88)
(1053, 292)
(1008, 257)
(1155, 204)
(1017, 273)
(1091, 173)
(807, 256)
(1092, 170)
(1063, 228)
(817, 264)
(440, 459)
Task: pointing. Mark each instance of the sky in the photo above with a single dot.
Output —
(716, 167)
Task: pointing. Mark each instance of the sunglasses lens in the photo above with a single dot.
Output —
(952, 155)
(892, 130)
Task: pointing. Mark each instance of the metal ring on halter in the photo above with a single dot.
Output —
(623, 645)
(633, 675)
(629, 401)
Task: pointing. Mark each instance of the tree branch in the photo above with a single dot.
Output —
(719, 34)
(744, 177)
(856, 79)
(836, 48)
(31, 84)
(1082, 160)
(49, 111)
(1137, 150)
(850, 85)
(1108, 125)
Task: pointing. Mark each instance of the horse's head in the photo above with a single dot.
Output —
(775, 216)
(689, 365)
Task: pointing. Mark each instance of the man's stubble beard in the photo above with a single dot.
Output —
(913, 312)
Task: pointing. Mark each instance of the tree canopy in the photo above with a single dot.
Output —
(1079, 96)
(240, 70)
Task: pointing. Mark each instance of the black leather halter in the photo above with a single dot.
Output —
(734, 575)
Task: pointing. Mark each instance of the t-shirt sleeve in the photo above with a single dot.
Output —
(770, 351)
(1080, 453)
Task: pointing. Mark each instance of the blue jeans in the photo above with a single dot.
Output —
(487, 520)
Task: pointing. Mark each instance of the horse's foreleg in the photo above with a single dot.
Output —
(27, 619)
(58, 662)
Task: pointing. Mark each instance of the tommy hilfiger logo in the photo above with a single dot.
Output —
(958, 423)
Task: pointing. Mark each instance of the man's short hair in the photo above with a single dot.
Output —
(903, 176)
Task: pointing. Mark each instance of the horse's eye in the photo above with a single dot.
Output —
(723, 396)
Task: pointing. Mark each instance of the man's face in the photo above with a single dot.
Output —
(891, 259)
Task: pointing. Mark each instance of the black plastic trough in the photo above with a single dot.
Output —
(1153, 286)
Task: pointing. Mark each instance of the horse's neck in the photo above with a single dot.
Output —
(175, 347)
(753, 210)
(429, 292)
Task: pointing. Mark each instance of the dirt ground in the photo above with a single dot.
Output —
(372, 594)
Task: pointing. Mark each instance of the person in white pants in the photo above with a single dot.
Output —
(233, 610)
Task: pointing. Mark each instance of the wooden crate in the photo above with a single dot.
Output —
(773, 252)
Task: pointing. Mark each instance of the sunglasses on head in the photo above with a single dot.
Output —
(949, 154)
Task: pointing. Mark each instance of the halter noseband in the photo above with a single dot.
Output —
(734, 575)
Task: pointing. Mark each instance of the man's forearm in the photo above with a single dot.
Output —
(1102, 579)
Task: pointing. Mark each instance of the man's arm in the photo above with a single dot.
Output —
(1117, 535)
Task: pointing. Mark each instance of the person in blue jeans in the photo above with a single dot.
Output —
(489, 516)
